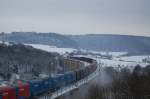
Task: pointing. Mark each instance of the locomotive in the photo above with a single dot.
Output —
(27, 89)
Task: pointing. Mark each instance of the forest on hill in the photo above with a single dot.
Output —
(26, 61)
(117, 43)
(98, 42)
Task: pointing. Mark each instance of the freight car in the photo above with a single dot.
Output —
(8, 92)
(18, 91)
(72, 64)
(34, 87)
(22, 90)
(89, 60)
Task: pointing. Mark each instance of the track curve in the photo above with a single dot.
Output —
(73, 86)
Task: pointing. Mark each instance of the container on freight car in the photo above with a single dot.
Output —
(83, 73)
(83, 59)
(93, 66)
(71, 65)
(58, 81)
(50, 83)
(46, 84)
(86, 71)
(23, 90)
(35, 86)
(79, 75)
(70, 77)
(8, 93)
(91, 69)
(0, 95)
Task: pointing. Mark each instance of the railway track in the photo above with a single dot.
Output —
(71, 87)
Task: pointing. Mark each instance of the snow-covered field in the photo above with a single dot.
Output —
(130, 61)
(133, 58)
(49, 48)
(116, 63)
(117, 58)
(6, 43)
(114, 54)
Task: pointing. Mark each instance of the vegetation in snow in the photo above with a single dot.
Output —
(27, 61)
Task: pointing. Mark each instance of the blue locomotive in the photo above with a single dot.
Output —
(35, 87)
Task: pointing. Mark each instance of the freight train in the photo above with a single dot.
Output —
(28, 89)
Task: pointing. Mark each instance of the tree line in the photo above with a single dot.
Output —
(27, 61)
(125, 84)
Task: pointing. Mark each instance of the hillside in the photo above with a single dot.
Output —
(98, 42)
(101, 42)
(39, 38)
(26, 61)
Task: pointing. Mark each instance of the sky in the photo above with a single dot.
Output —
(127, 17)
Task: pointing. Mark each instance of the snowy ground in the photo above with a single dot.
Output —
(52, 48)
(133, 58)
(115, 54)
(116, 63)
(120, 62)
(117, 58)
(6, 43)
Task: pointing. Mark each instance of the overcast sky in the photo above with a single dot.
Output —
(76, 16)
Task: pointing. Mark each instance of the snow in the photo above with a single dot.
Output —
(43, 76)
(6, 43)
(114, 54)
(117, 58)
(49, 48)
(117, 62)
(4, 83)
(134, 58)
